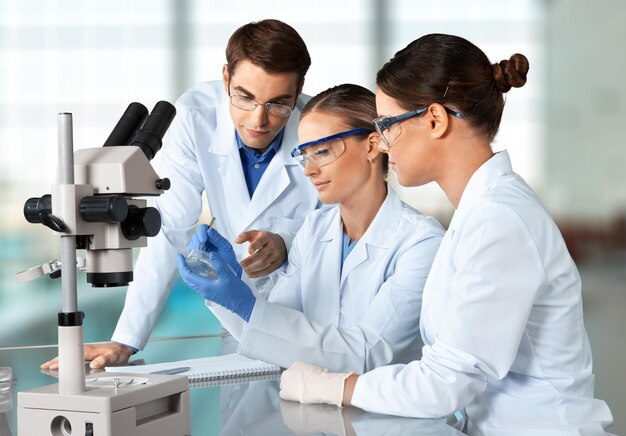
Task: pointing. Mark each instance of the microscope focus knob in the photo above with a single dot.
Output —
(163, 184)
(144, 221)
(103, 208)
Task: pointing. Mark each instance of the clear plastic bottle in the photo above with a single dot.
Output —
(198, 262)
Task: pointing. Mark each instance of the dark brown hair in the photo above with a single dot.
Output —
(270, 44)
(452, 71)
(354, 104)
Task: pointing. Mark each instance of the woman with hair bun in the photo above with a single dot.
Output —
(502, 319)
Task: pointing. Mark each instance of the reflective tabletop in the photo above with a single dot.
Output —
(244, 406)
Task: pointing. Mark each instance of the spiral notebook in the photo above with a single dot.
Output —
(206, 368)
(234, 380)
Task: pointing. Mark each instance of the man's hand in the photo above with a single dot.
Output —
(110, 353)
(267, 252)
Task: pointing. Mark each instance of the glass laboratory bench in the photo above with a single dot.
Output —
(235, 407)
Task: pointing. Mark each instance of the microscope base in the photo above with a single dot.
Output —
(157, 405)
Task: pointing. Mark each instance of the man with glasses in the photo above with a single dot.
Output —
(232, 140)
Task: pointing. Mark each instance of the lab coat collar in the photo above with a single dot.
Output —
(381, 230)
(224, 144)
(480, 182)
(335, 230)
(379, 234)
(225, 139)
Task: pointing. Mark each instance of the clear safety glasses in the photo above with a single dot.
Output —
(248, 104)
(389, 127)
(324, 150)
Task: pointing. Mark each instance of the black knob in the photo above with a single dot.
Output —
(163, 184)
(145, 221)
(103, 209)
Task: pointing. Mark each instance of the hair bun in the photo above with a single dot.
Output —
(511, 73)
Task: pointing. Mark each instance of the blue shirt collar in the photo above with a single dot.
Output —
(253, 155)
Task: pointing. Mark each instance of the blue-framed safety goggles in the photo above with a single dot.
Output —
(324, 150)
(389, 129)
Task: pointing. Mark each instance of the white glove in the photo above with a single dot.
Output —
(308, 383)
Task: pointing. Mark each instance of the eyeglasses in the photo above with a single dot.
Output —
(248, 104)
(324, 150)
(389, 127)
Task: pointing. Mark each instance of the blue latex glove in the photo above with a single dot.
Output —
(227, 290)
(208, 239)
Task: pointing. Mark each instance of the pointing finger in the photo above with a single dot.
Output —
(246, 236)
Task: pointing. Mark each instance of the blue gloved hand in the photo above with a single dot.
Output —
(208, 239)
(227, 290)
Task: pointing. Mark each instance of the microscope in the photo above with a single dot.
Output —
(93, 207)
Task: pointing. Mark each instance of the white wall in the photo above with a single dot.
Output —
(585, 154)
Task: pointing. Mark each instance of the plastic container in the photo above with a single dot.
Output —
(198, 262)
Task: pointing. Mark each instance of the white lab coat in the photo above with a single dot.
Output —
(201, 154)
(502, 321)
(351, 319)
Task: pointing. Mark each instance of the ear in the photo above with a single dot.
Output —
(438, 121)
(373, 141)
(226, 78)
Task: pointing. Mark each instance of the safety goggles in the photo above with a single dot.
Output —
(389, 127)
(324, 150)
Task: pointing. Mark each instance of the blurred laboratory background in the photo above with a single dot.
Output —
(564, 130)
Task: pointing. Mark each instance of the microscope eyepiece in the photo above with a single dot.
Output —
(35, 206)
(131, 120)
(149, 137)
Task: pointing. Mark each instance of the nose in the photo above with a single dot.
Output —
(310, 168)
(259, 116)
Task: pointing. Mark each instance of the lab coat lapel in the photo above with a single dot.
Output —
(329, 291)
(230, 168)
(377, 236)
(357, 256)
(273, 182)
(276, 177)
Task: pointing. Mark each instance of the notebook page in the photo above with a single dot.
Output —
(206, 368)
